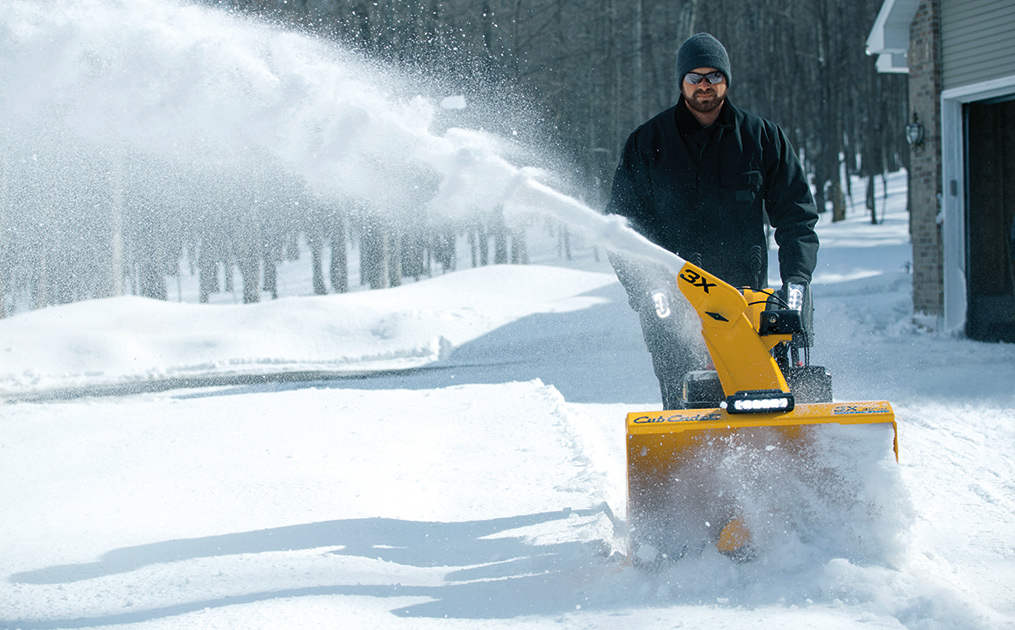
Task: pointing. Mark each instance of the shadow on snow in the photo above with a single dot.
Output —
(488, 577)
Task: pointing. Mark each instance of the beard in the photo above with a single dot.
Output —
(704, 101)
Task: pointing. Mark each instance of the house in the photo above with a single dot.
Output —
(960, 57)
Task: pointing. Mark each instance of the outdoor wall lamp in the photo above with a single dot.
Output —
(914, 132)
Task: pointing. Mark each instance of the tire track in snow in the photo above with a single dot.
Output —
(596, 435)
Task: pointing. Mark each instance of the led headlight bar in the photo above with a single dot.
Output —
(759, 401)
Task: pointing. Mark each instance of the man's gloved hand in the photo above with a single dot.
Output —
(795, 295)
(798, 297)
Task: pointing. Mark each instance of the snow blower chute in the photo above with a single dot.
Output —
(761, 403)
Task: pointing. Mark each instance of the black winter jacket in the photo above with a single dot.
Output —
(701, 192)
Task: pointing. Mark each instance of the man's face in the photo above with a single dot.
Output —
(703, 97)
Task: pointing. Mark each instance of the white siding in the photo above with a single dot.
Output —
(977, 41)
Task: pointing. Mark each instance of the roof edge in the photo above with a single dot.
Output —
(889, 37)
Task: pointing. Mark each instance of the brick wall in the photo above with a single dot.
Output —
(924, 61)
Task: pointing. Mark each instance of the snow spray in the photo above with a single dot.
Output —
(210, 115)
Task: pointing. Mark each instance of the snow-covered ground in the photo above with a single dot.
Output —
(469, 471)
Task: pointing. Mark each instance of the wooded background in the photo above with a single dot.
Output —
(570, 77)
(596, 69)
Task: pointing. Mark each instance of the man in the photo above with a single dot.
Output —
(697, 180)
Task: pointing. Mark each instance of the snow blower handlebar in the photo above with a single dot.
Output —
(730, 324)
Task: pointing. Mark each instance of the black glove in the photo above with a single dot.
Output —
(797, 296)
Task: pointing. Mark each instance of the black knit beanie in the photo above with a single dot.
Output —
(702, 51)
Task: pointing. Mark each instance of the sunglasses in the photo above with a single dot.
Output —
(713, 77)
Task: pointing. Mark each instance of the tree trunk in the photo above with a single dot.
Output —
(339, 267)
(519, 247)
(374, 253)
(316, 245)
(838, 202)
(114, 283)
(207, 271)
(395, 252)
(151, 279)
(249, 264)
(500, 238)
(871, 201)
(270, 277)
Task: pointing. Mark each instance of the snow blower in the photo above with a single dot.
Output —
(763, 405)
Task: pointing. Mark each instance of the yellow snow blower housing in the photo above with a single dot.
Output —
(760, 403)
